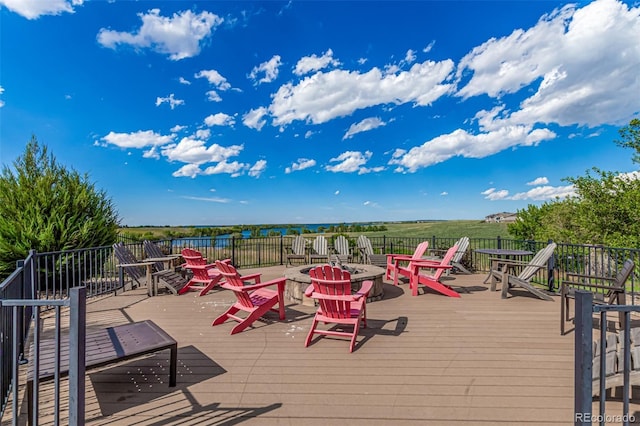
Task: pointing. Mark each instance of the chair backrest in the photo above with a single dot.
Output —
(320, 245)
(538, 262)
(446, 260)
(153, 250)
(234, 282)
(124, 255)
(192, 257)
(364, 245)
(298, 245)
(463, 245)
(341, 245)
(420, 250)
(332, 281)
(621, 278)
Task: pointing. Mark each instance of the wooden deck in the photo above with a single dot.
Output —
(428, 359)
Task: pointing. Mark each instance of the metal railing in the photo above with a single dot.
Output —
(584, 361)
(76, 357)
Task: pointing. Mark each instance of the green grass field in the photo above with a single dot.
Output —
(440, 229)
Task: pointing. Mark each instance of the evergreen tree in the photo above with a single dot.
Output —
(47, 207)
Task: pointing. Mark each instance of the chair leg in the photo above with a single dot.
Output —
(356, 328)
(224, 317)
(210, 285)
(311, 331)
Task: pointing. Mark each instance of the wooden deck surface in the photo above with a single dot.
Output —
(422, 360)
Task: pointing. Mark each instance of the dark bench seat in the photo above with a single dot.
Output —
(103, 347)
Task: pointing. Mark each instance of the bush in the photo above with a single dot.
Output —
(46, 207)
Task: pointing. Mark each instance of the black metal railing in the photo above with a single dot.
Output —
(586, 361)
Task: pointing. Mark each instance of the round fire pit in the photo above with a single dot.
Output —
(298, 280)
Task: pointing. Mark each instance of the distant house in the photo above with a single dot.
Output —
(503, 217)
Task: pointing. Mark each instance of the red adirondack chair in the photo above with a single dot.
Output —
(255, 299)
(331, 287)
(395, 267)
(432, 280)
(205, 275)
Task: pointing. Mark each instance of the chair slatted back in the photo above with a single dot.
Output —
(621, 278)
(463, 245)
(298, 245)
(446, 260)
(538, 262)
(332, 281)
(192, 257)
(341, 245)
(420, 250)
(124, 256)
(153, 250)
(235, 283)
(320, 245)
(364, 245)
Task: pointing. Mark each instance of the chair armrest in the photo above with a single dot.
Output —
(278, 281)
(592, 277)
(585, 286)
(406, 257)
(125, 265)
(252, 277)
(364, 289)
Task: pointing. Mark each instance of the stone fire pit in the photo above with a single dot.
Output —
(298, 280)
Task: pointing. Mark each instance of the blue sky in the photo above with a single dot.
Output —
(219, 113)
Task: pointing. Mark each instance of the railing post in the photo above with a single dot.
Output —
(499, 242)
(233, 252)
(281, 249)
(77, 341)
(583, 359)
(551, 266)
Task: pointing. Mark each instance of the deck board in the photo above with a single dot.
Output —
(423, 360)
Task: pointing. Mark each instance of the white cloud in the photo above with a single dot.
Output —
(254, 119)
(308, 134)
(444, 193)
(194, 151)
(410, 57)
(571, 84)
(139, 139)
(33, 9)
(177, 128)
(349, 162)
(219, 119)
(188, 170)
(269, 68)
(492, 194)
(215, 79)
(314, 63)
(179, 36)
(460, 143)
(301, 164)
(208, 199)
(539, 181)
(1, 92)
(258, 168)
(234, 169)
(324, 96)
(546, 192)
(364, 126)
(171, 100)
(213, 96)
(539, 193)
(428, 48)
(183, 80)
(337, 192)
(203, 134)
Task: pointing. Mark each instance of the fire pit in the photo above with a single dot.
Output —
(298, 280)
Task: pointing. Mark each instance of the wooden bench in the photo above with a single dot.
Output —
(103, 347)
